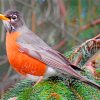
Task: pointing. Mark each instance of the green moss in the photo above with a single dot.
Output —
(86, 92)
(46, 90)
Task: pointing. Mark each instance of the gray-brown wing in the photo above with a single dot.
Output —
(35, 47)
(38, 43)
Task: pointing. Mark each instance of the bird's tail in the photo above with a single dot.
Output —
(91, 83)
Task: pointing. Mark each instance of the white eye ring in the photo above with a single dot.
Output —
(14, 17)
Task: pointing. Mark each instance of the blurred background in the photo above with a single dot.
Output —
(63, 24)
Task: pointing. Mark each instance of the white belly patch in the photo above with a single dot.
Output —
(32, 77)
(50, 72)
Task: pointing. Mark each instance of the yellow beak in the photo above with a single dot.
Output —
(2, 17)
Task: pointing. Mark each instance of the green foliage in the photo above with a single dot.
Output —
(17, 89)
(46, 90)
(52, 90)
(98, 70)
(85, 92)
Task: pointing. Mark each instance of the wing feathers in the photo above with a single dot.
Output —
(50, 59)
(35, 47)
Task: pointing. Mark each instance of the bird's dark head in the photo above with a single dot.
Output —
(12, 20)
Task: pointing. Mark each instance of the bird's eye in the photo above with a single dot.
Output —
(14, 17)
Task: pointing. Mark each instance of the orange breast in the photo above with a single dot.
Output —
(21, 62)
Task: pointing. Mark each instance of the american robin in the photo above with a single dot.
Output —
(30, 56)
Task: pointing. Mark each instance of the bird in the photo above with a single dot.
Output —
(31, 57)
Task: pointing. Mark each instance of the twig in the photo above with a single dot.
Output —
(33, 17)
(90, 45)
(87, 26)
(80, 10)
(62, 8)
(8, 73)
(8, 82)
(60, 44)
(58, 26)
(4, 60)
(97, 37)
(48, 9)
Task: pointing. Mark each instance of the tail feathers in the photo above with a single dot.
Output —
(76, 68)
(93, 84)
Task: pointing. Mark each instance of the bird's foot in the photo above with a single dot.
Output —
(69, 82)
(40, 79)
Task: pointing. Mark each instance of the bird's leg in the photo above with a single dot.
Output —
(40, 79)
(69, 82)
